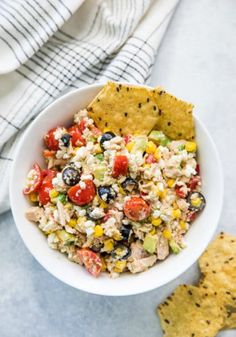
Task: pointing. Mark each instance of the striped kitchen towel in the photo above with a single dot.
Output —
(52, 46)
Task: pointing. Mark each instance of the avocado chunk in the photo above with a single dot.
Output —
(176, 248)
(150, 243)
(65, 237)
(140, 144)
(99, 172)
(158, 137)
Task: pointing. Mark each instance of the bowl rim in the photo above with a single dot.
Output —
(103, 291)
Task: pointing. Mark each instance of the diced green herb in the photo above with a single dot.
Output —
(62, 198)
(181, 147)
(99, 156)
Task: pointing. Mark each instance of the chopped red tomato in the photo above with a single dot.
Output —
(194, 182)
(46, 186)
(180, 192)
(150, 159)
(82, 125)
(50, 141)
(120, 166)
(82, 196)
(136, 209)
(34, 180)
(76, 136)
(91, 261)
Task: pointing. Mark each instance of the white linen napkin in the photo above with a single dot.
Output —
(52, 46)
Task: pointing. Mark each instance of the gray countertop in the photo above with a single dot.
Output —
(196, 61)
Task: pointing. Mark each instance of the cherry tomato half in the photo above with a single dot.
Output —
(136, 209)
(34, 180)
(91, 261)
(82, 196)
(179, 192)
(120, 166)
(76, 136)
(46, 186)
(50, 141)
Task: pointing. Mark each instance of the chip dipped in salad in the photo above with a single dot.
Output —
(116, 193)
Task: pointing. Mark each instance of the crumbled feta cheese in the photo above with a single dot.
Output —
(82, 185)
(97, 213)
(86, 177)
(110, 228)
(156, 213)
(80, 115)
(89, 227)
(59, 132)
(59, 184)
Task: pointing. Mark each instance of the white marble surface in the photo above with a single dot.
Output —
(197, 61)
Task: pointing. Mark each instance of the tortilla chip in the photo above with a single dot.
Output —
(220, 253)
(218, 264)
(124, 109)
(175, 116)
(191, 312)
(230, 321)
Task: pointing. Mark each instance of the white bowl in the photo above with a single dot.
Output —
(29, 151)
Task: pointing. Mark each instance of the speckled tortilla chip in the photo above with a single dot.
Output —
(218, 265)
(221, 252)
(175, 116)
(124, 109)
(230, 321)
(191, 312)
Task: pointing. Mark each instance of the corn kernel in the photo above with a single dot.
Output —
(176, 213)
(53, 193)
(119, 266)
(151, 147)
(167, 234)
(117, 236)
(191, 146)
(98, 231)
(104, 266)
(103, 204)
(162, 194)
(33, 197)
(147, 165)
(129, 146)
(196, 202)
(97, 149)
(108, 245)
(156, 222)
(157, 154)
(121, 191)
(106, 130)
(76, 148)
(68, 205)
(182, 224)
(72, 223)
(170, 182)
(153, 231)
